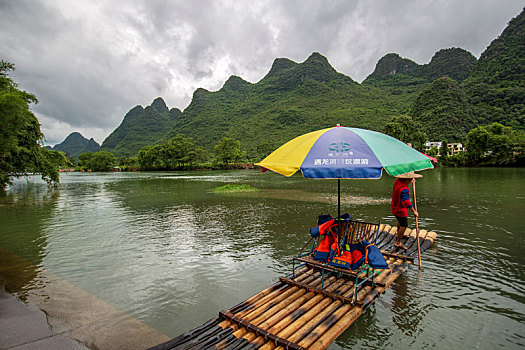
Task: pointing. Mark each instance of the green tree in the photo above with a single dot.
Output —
(127, 161)
(197, 155)
(57, 159)
(177, 153)
(21, 150)
(174, 153)
(144, 158)
(433, 152)
(102, 161)
(150, 158)
(405, 129)
(443, 153)
(84, 159)
(477, 144)
(494, 144)
(228, 150)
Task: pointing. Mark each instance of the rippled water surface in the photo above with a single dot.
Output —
(151, 255)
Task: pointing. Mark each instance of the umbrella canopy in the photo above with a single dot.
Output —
(429, 157)
(345, 153)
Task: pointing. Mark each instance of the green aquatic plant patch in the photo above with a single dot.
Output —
(232, 188)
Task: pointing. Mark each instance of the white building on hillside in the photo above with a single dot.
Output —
(453, 148)
(431, 144)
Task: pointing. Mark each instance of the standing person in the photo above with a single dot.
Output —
(401, 203)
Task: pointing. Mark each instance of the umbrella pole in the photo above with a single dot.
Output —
(338, 197)
(417, 227)
(338, 208)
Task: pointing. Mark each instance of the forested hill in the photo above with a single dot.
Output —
(291, 99)
(75, 144)
(496, 86)
(494, 91)
(451, 94)
(294, 98)
(393, 70)
(141, 127)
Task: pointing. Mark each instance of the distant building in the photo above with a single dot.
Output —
(431, 144)
(453, 148)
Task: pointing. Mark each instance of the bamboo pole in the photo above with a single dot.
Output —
(315, 303)
(264, 295)
(268, 310)
(417, 225)
(283, 303)
(319, 302)
(389, 237)
(280, 315)
(294, 306)
(274, 296)
(272, 300)
(333, 287)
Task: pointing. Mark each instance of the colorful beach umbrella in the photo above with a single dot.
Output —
(345, 153)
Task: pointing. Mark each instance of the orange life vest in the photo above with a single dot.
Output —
(329, 241)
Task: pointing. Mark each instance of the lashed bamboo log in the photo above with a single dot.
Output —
(328, 299)
(391, 235)
(285, 302)
(316, 303)
(281, 310)
(273, 296)
(308, 329)
(275, 299)
(293, 306)
(269, 310)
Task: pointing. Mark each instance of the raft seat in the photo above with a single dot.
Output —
(354, 232)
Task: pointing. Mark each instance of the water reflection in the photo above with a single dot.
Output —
(25, 213)
(162, 250)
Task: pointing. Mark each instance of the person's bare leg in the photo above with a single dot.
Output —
(400, 234)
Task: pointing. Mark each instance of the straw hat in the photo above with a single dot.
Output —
(410, 175)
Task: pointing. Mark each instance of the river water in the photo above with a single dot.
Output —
(132, 259)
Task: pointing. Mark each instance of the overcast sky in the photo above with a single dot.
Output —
(89, 62)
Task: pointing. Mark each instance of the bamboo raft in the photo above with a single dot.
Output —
(306, 312)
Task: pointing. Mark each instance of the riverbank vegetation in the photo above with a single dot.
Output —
(486, 145)
(489, 145)
(21, 140)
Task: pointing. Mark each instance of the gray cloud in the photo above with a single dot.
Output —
(90, 62)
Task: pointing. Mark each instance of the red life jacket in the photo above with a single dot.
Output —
(329, 241)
